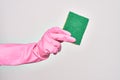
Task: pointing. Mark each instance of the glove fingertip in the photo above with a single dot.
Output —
(73, 39)
(69, 39)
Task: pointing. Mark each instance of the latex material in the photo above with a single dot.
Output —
(16, 54)
(76, 25)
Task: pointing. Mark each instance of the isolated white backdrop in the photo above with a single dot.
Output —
(98, 56)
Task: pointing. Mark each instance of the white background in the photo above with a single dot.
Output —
(98, 56)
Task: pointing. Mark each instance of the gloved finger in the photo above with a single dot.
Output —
(56, 43)
(53, 42)
(62, 37)
(56, 50)
(57, 46)
(54, 46)
(53, 50)
(58, 30)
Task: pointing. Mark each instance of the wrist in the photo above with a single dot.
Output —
(39, 52)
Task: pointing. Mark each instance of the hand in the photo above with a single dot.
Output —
(50, 42)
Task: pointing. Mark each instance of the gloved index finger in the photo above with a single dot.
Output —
(58, 30)
(63, 37)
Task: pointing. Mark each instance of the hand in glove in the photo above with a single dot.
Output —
(51, 40)
(16, 54)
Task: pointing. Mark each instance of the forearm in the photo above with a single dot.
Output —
(16, 54)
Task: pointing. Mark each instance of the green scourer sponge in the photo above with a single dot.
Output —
(76, 25)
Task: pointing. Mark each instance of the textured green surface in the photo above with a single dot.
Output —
(76, 25)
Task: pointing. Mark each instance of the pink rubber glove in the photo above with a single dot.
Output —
(50, 43)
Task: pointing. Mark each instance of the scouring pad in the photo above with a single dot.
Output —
(76, 25)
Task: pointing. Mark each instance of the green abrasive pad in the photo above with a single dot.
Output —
(76, 25)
